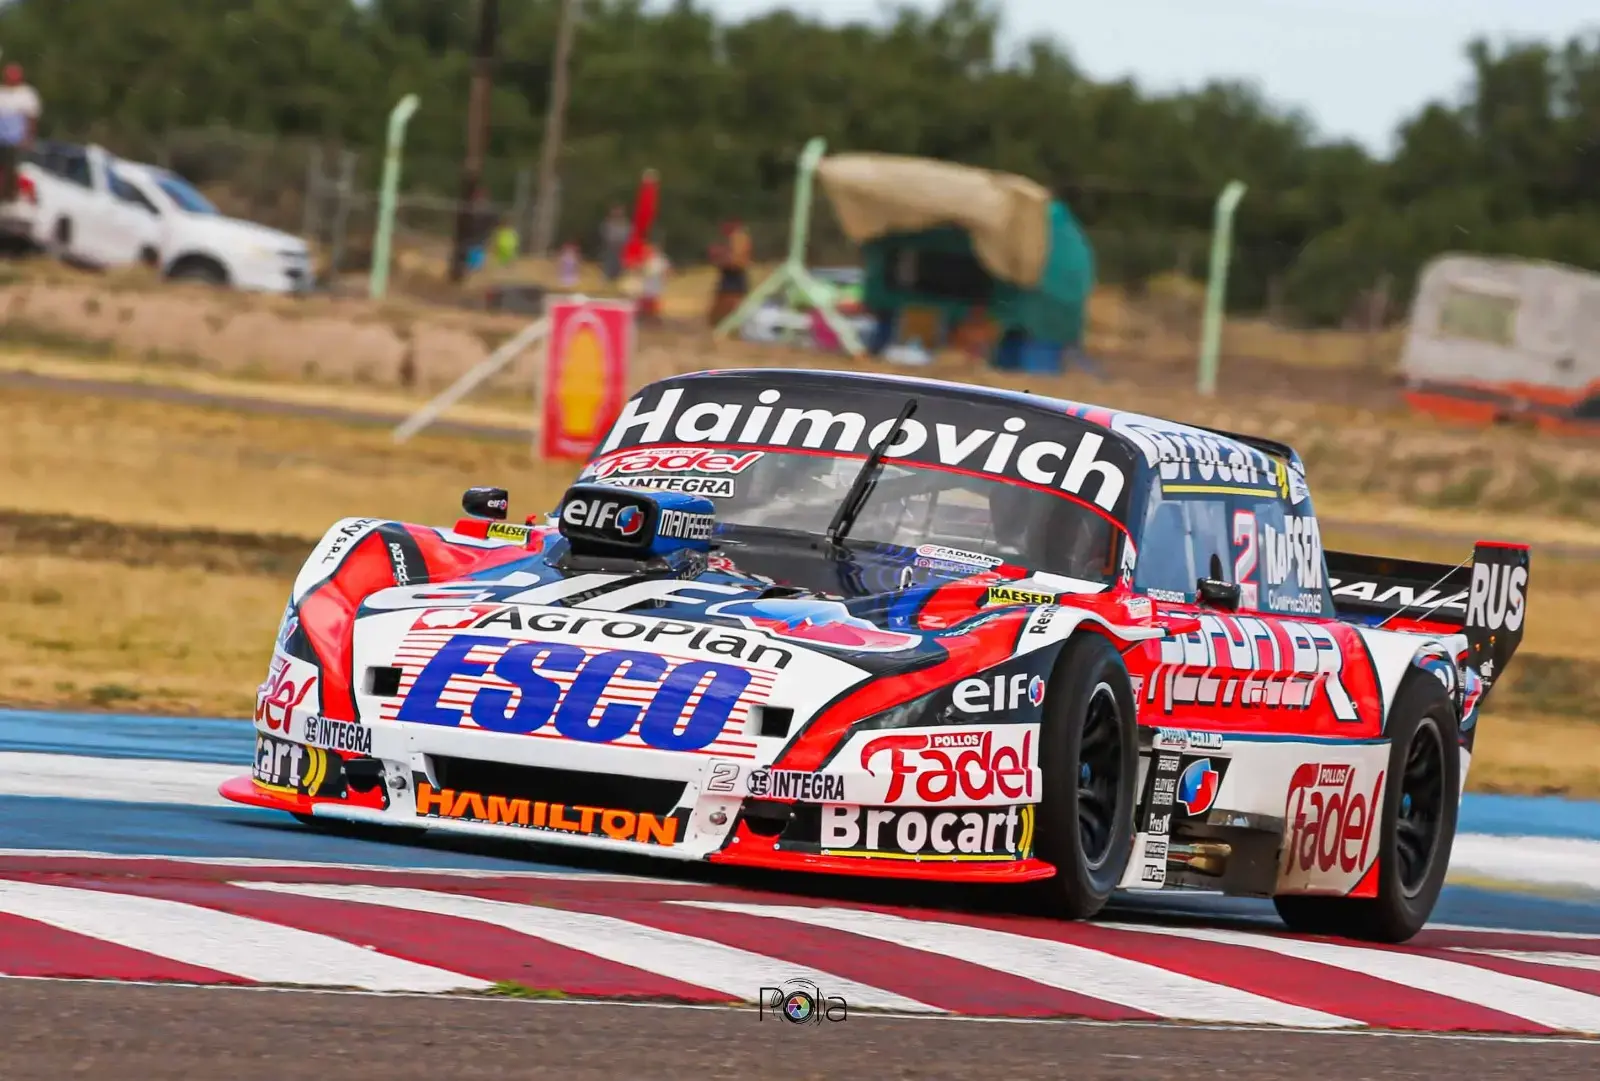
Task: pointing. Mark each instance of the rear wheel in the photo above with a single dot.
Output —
(1418, 828)
(1089, 753)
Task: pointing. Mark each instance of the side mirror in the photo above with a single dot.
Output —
(492, 503)
(1217, 593)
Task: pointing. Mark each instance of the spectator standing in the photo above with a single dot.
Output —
(482, 220)
(614, 234)
(19, 122)
(732, 259)
(568, 266)
(652, 283)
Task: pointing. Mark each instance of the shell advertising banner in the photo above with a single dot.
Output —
(585, 373)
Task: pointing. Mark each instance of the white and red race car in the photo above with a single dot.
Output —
(881, 626)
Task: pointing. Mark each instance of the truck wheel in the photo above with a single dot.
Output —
(1421, 799)
(61, 238)
(1089, 755)
(198, 268)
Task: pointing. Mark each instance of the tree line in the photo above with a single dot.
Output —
(722, 109)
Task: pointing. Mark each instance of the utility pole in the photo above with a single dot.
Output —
(477, 131)
(555, 123)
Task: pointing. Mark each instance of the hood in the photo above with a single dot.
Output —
(882, 609)
(247, 234)
(732, 652)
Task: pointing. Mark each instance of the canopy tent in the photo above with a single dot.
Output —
(956, 246)
(954, 237)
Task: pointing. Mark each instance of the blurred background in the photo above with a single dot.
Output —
(199, 368)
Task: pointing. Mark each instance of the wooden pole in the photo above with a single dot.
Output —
(477, 131)
(555, 123)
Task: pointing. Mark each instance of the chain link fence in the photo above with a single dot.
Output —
(328, 193)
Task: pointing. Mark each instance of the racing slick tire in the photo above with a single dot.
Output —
(1418, 828)
(1089, 756)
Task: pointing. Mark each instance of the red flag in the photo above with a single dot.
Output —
(644, 219)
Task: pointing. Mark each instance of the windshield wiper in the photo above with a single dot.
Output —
(860, 488)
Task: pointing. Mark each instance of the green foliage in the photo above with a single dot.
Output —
(722, 109)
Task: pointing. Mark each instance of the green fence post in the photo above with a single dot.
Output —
(794, 271)
(399, 116)
(1217, 286)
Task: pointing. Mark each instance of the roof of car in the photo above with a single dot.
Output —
(1115, 421)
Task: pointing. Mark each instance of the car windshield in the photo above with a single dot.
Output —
(956, 521)
(180, 191)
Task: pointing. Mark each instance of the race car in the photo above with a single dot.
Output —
(870, 625)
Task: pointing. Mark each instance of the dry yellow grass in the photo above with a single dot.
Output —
(518, 412)
(140, 639)
(178, 465)
(1533, 753)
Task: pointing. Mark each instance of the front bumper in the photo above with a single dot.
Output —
(689, 821)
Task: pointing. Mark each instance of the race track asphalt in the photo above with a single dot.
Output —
(131, 1033)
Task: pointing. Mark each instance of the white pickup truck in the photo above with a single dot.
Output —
(85, 205)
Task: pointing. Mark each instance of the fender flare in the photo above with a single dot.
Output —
(324, 559)
(1396, 653)
(1051, 625)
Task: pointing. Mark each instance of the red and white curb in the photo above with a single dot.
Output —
(252, 922)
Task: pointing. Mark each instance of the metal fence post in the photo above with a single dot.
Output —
(341, 212)
(313, 198)
(1217, 286)
(398, 118)
(520, 205)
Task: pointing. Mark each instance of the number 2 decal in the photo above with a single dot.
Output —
(723, 776)
(1244, 563)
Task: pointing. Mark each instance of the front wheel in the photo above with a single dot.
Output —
(1421, 799)
(1089, 753)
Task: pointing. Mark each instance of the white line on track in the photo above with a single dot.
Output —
(1083, 971)
(121, 780)
(1539, 861)
(697, 961)
(1468, 929)
(1542, 1003)
(1555, 959)
(420, 869)
(252, 949)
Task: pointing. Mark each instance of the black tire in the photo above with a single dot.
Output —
(198, 268)
(1421, 799)
(1089, 754)
(61, 238)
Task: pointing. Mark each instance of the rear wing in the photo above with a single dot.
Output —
(1486, 598)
